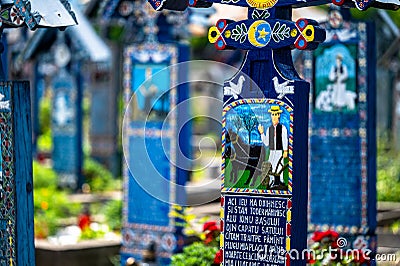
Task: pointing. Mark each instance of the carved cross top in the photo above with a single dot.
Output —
(36, 14)
(267, 4)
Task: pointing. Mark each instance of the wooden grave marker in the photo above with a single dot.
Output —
(342, 176)
(16, 184)
(153, 179)
(265, 130)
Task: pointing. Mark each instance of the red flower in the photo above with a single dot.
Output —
(209, 238)
(332, 235)
(310, 258)
(84, 221)
(360, 257)
(218, 257)
(211, 226)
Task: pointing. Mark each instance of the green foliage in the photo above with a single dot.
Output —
(363, 15)
(50, 204)
(44, 141)
(396, 227)
(395, 16)
(113, 214)
(388, 176)
(197, 254)
(43, 177)
(89, 233)
(97, 176)
(115, 32)
(187, 220)
(369, 14)
(45, 115)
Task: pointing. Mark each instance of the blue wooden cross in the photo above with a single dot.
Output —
(152, 184)
(265, 129)
(16, 187)
(343, 131)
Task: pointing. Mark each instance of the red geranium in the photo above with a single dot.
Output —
(213, 231)
(84, 221)
(360, 257)
(218, 257)
(310, 258)
(329, 235)
(210, 226)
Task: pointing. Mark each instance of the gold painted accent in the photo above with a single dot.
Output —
(293, 33)
(262, 4)
(252, 33)
(309, 38)
(262, 34)
(227, 34)
(213, 31)
(287, 244)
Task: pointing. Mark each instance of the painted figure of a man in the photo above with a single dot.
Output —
(276, 138)
(338, 75)
(148, 93)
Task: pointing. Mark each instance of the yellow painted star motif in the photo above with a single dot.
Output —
(262, 34)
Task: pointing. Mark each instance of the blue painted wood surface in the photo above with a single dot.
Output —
(266, 83)
(151, 143)
(271, 33)
(103, 108)
(66, 129)
(269, 79)
(16, 187)
(343, 133)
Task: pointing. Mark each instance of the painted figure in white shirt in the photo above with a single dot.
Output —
(338, 75)
(276, 138)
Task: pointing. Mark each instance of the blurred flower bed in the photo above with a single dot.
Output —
(326, 250)
(202, 244)
(62, 220)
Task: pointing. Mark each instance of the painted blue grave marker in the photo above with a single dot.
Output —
(66, 157)
(16, 187)
(150, 145)
(264, 138)
(16, 184)
(342, 132)
(265, 121)
(153, 177)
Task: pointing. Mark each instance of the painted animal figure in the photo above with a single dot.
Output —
(234, 89)
(283, 88)
(243, 157)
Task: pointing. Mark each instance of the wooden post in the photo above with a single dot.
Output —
(264, 188)
(153, 131)
(67, 161)
(16, 187)
(342, 131)
(16, 184)
(265, 130)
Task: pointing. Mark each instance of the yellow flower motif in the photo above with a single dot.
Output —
(293, 33)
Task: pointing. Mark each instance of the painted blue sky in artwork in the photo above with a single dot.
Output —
(160, 84)
(262, 116)
(325, 61)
